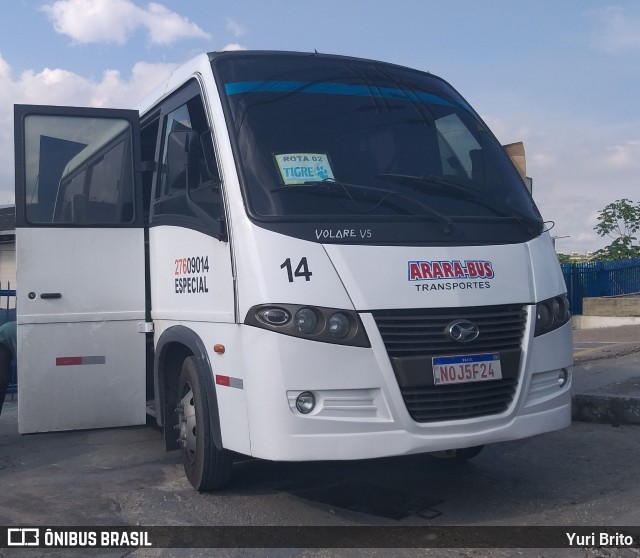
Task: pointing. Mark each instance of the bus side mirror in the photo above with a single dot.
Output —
(182, 156)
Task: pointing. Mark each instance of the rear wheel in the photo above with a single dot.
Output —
(206, 466)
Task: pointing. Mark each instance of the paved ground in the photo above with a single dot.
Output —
(606, 379)
(603, 343)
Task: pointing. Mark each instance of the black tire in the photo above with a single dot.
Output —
(206, 466)
(462, 454)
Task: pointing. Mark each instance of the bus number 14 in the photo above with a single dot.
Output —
(301, 271)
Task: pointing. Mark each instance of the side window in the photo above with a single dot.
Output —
(193, 180)
(79, 171)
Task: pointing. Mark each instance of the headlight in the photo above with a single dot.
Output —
(339, 325)
(327, 325)
(544, 316)
(306, 320)
(563, 313)
(551, 314)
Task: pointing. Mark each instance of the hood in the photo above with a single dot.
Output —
(388, 277)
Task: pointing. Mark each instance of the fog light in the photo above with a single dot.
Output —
(563, 377)
(305, 320)
(305, 402)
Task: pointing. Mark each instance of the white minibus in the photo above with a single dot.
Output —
(290, 256)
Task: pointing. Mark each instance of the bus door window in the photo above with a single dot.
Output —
(79, 171)
(188, 124)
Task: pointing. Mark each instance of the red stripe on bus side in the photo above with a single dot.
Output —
(68, 361)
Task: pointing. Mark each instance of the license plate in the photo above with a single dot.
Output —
(466, 368)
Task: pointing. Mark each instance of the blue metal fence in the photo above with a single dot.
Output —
(8, 314)
(592, 279)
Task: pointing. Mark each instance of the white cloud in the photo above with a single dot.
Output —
(543, 159)
(234, 27)
(5, 69)
(113, 21)
(233, 46)
(625, 156)
(165, 26)
(617, 29)
(55, 86)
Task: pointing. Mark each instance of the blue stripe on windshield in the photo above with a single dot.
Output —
(338, 89)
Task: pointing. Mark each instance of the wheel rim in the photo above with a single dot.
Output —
(188, 424)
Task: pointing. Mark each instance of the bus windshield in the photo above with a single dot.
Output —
(333, 139)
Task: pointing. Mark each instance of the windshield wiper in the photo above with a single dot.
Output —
(445, 186)
(329, 185)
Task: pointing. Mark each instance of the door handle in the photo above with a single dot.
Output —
(50, 295)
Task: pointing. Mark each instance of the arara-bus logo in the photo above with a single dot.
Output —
(450, 269)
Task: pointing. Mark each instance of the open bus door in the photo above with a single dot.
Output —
(81, 269)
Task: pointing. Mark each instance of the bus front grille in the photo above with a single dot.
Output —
(463, 401)
(413, 337)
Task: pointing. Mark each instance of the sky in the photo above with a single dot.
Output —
(563, 76)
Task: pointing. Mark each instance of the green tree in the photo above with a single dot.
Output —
(620, 221)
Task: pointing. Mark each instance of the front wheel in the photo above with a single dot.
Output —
(206, 466)
(462, 454)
